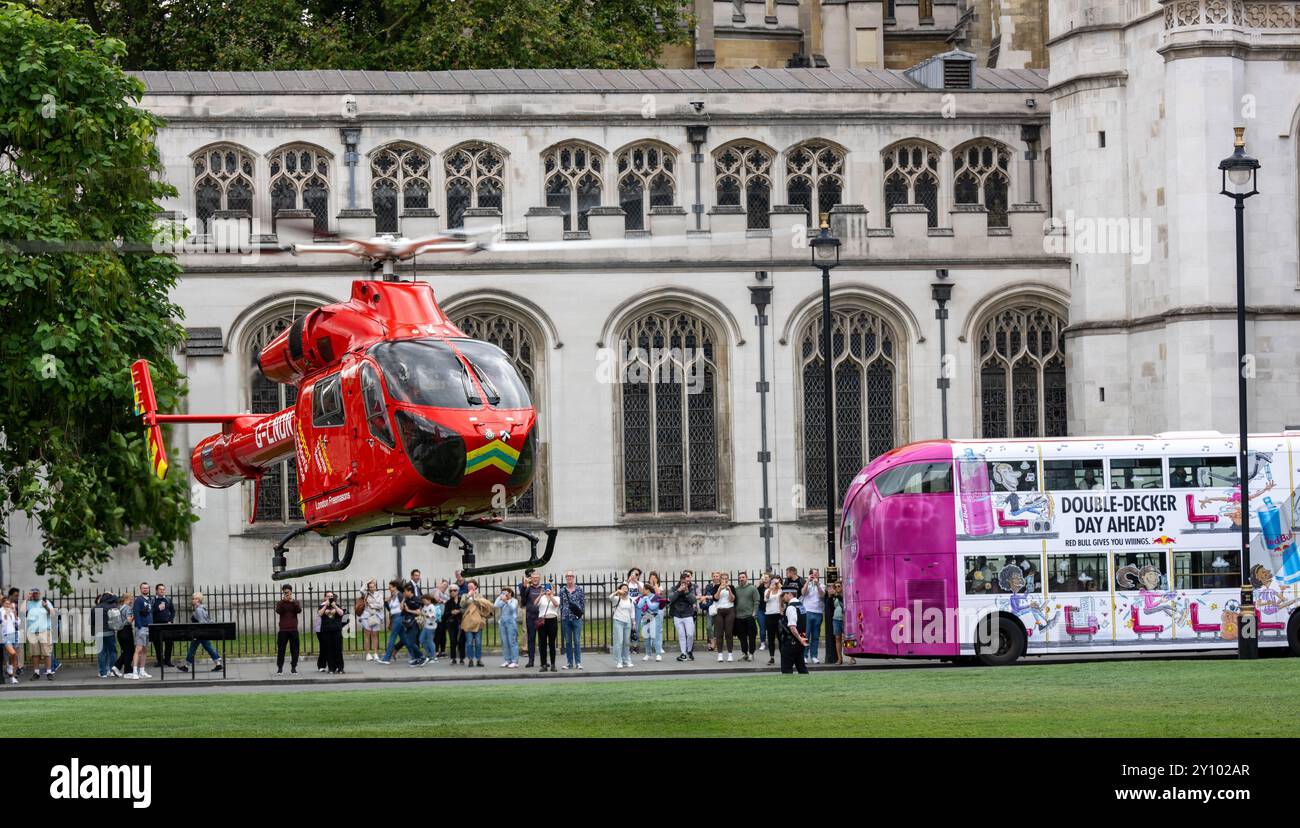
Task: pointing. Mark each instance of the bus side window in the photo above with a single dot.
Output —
(1202, 472)
(1136, 473)
(1073, 475)
(916, 478)
(1002, 575)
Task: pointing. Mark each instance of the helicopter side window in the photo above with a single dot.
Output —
(500, 381)
(327, 403)
(372, 395)
(425, 372)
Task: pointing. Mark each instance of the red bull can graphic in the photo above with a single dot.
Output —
(1282, 552)
(976, 495)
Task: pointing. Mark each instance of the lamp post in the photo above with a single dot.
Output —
(941, 292)
(1238, 173)
(825, 256)
(761, 297)
(696, 135)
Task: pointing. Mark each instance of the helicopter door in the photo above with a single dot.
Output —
(328, 451)
(375, 437)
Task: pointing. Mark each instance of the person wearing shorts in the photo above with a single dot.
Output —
(38, 633)
(143, 611)
(9, 641)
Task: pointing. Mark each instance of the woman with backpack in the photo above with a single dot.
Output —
(125, 635)
(107, 612)
(650, 608)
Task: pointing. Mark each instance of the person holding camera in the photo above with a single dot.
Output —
(548, 622)
(814, 606)
(451, 625)
(681, 608)
(287, 610)
(624, 616)
(475, 610)
(573, 605)
(331, 633)
(530, 589)
(507, 607)
(106, 612)
(650, 605)
(39, 633)
(723, 614)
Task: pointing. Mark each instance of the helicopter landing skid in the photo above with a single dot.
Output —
(279, 562)
(470, 569)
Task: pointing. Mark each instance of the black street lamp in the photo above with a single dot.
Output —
(826, 255)
(1239, 174)
(761, 297)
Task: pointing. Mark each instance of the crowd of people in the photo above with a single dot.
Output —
(119, 623)
(446, 621)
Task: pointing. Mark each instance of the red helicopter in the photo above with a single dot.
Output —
(402, 424)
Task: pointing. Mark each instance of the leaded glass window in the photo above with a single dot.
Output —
(574, 181)
(520, 342)
(865, 397)
(1022, 373)
(980, 177)
(912, 177)
(646, 178)
(223, 180)
(300, 177)
(277, 492)
(475, 179)
(670, 396)
(743, 176)
(399, 176)
(815, 178)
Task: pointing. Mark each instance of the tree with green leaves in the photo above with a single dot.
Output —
(212, 35)
(82, 295)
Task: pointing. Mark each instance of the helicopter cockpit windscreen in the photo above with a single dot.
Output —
(496, 373)
(425, 372)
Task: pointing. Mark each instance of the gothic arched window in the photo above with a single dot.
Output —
(1021, 363)
(743, 175)
(300, 180)
(277, 492)
(980, 177)
(814, 178)
(865, 401)
(399, 179)
(912, 177)
(521, 342)
(475, 176)
(670, 396)
(223, 180)
(574, 181)
(646, 178)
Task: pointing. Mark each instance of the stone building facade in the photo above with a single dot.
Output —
(1071, 219)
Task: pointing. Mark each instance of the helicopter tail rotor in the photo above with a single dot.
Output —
(146, 407)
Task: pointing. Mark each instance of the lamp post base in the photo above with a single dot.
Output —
(1248, 626)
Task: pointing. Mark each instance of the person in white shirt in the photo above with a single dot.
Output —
(723, 611)
(9, 637)
(548, 612)
(814, 594)
(624, 617)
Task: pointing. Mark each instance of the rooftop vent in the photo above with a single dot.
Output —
(950, 70)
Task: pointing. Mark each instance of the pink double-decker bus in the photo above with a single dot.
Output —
(1003, 548)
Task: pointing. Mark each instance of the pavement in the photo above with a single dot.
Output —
(259, 674)
(83, 676)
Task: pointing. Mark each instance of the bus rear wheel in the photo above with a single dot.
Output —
(1007, 643)
(1293, 633)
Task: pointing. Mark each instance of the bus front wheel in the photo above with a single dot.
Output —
(1006, 643)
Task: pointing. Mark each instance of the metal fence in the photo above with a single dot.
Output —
(252, 608)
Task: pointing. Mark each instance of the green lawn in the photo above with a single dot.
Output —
(1159, 698)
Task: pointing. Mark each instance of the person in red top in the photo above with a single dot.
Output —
(288, 609)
